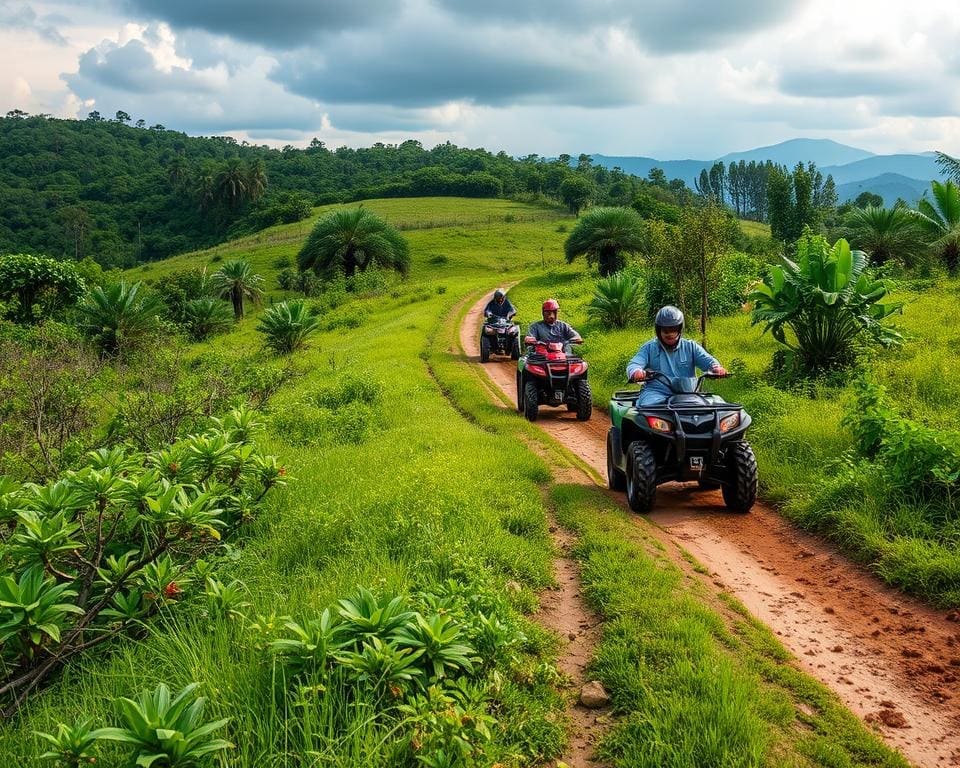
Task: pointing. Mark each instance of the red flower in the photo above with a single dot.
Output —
(281, 471)
(172, 591)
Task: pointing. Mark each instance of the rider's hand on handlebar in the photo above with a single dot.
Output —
(638, 375)
(577, 340)
(719, 370)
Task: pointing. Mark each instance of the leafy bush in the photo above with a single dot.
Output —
(206, 317)
(97, 551)
(287, 326)
(828, 300)
(617, 300)
(120, 317)
(35, 287)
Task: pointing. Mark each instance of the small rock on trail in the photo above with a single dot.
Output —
(593, 695)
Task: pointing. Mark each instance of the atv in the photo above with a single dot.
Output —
(694, 435)
(546, 375)
(499, 336)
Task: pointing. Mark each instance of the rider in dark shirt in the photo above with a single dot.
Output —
(499, 306)
(551, 329)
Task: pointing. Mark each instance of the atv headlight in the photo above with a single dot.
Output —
(729, 422)
(661, 425)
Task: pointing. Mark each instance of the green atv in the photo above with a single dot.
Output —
(694, 435)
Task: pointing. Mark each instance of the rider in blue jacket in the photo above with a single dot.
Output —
(670, 355)
(499, 306)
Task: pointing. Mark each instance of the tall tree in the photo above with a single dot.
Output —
(577, 191)
(705, 239)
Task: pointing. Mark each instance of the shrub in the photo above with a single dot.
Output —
(120, 317)
(34, 287)
(205, 317)
(828, 300)
(617, 301)
(287, 326)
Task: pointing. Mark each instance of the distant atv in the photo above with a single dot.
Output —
(499, 336)
(546, 375)
(694, 435)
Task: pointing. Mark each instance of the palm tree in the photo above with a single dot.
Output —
(120, 316)
(256, 180)
(940, 220)
(235, 281)
(231, 183)
(886, 233)
(603, 235)
(949, 165)
(287, 326)
(205, 317)
(349, 241)
(617, 301)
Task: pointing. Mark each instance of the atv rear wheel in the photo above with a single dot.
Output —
(616, 480)
(740, 490)
(531, 403)
(515, 349)
(584, 400)
(641, 476)
(484, 349)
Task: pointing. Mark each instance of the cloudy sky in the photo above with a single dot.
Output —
(665, 78)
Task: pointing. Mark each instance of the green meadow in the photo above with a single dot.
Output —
(406, 480)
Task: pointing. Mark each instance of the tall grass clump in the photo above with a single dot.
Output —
(617, 300)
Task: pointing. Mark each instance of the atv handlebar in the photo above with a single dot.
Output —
(648, 375)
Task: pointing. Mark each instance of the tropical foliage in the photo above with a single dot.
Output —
(604, 236)
(617, 300)
(287, 326)
(828, 300)
(236, 281)
(350, 240)
(120, 317)
(940, 220)
(33, 287)
(886, 233)
(205, 317)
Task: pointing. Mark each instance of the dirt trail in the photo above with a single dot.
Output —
(892, 660)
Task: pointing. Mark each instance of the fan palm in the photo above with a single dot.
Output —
(603, 235)
(886, 233)
(351, 240)
(236, 281)
(940, 220)
(120, 316)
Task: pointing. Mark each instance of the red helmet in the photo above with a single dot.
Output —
(550, 304)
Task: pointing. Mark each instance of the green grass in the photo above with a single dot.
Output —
(696, 685)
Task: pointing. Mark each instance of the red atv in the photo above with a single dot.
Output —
(546, 375)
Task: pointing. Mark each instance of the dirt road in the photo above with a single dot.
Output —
(892, 660)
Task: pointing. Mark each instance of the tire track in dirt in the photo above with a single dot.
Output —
(892, 660)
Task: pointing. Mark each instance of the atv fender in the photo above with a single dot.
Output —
(617, 440)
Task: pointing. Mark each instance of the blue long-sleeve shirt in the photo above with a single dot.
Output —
(680, 362)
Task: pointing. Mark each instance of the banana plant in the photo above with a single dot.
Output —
(166, 730)
(828, 300)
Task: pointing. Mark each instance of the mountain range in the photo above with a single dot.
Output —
(854, 170)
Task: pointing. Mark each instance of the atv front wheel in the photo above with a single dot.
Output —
(641, 476)
(584, 400)
(519, 394)
(531, 403)
(484, 349)
(616, 480)
(515, 349)
(740, 490)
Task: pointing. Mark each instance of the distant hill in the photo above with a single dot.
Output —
(854, 170)
(823, 152)
(923, 167)
(889, 186)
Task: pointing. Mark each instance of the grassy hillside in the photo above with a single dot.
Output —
(405, 479)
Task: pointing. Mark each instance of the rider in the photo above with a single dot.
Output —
(670, 355)
(550, 329)
(499, 306)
